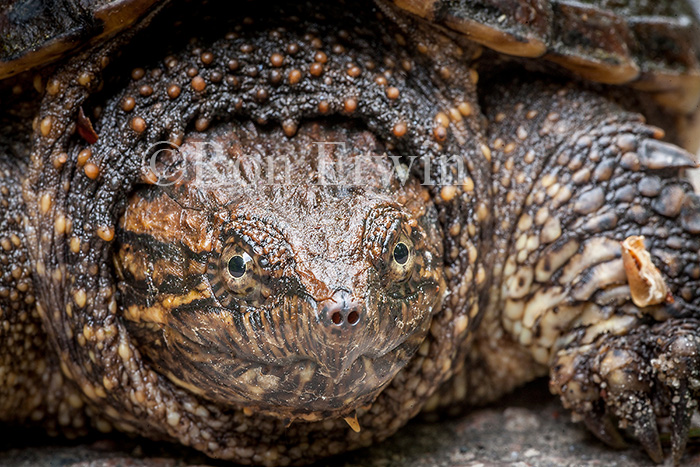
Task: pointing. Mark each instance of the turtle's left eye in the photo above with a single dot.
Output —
(401, 253)
(402, 259)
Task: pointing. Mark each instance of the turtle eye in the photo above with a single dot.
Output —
(236, 274)
(239, 270)
(401, 253)
(402, 259)
(238, 264)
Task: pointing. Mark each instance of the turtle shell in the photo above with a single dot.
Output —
(652, 45)
(37, 32)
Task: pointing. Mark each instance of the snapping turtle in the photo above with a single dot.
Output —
(278, 236)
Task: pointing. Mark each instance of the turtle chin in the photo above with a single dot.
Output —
(306, 389)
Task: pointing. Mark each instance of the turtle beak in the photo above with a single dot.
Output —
(343, 322)
(335, 368)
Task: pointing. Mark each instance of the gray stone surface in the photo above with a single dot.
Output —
(528, 428)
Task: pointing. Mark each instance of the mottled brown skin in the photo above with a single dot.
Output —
(597, 177)
(554, 178)
(323, 315)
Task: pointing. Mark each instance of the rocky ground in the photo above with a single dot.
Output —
(528, 428)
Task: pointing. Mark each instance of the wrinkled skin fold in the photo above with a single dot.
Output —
(263, 302)
(516, 268)
(137, 389)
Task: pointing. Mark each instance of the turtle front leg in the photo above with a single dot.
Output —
(575, 176)
(32, 388)
(636, 378)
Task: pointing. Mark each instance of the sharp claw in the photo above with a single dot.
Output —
(681, 412)
(656, 155)
(647, 433)
(603, 427)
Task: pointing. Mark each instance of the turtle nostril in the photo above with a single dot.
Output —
(342, 310)
(352, 318)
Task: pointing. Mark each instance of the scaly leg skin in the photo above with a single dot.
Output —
(32, 388)
(575, 176)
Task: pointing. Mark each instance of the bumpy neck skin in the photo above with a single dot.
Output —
(410, 87)
(511, 225)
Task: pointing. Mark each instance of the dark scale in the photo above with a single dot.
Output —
(189, 253)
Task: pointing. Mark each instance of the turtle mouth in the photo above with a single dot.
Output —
(339, 368)
(303, 389)
(335, 362)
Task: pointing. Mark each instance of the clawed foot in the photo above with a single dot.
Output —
(633, 381)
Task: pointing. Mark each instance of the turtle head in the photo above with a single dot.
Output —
(291, 276)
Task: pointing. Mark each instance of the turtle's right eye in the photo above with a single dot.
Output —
(236, 275)
(239, 271)
(238, 265)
